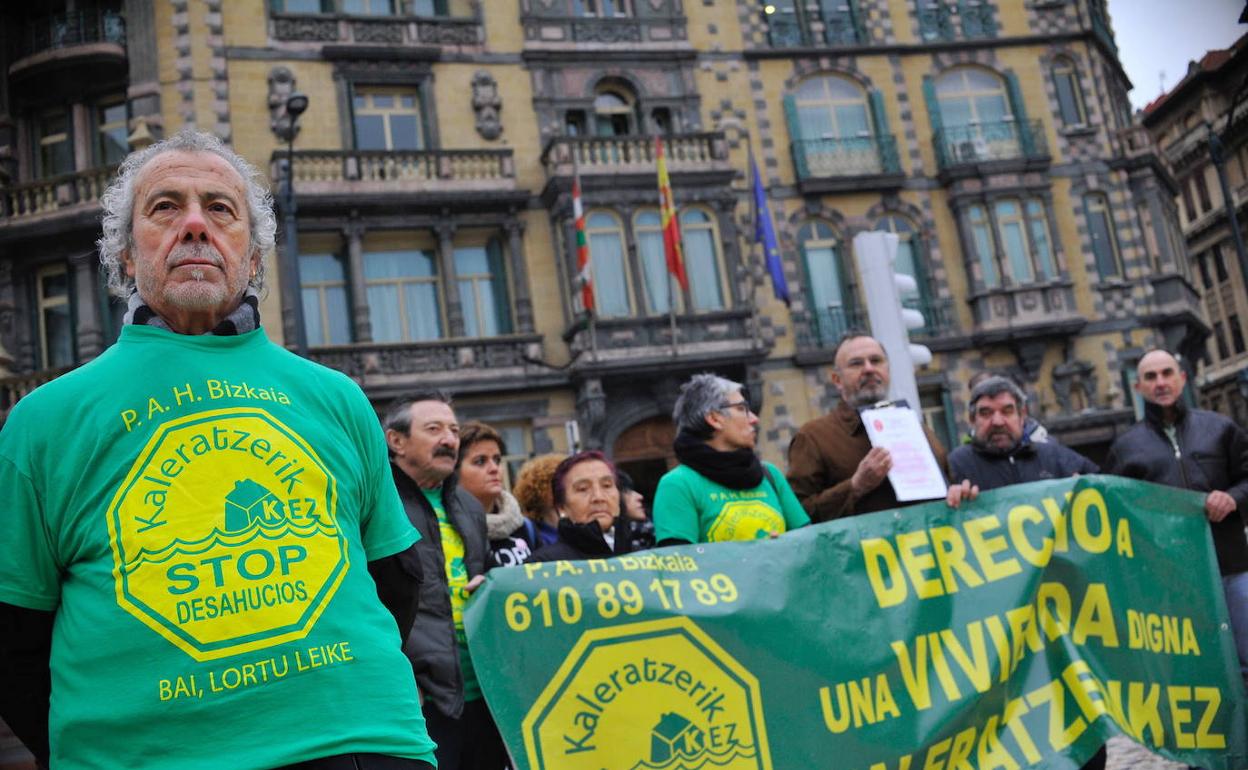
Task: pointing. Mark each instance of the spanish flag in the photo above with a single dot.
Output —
(671, 228)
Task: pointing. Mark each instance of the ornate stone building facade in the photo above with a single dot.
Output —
(434, 166)
(433, 173)
(1180, 122)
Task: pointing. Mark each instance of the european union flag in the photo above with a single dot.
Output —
(765, 233)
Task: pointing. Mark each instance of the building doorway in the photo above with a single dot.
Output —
(644, 451)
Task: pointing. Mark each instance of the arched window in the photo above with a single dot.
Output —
(615, 110)
(833, 130)
(700, 242)
(1069, 98)
(831, 303)
(975, 115)
(606, 259)
(908, 256)
(656, 283)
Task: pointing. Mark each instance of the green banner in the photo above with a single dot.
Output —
(1022, 630)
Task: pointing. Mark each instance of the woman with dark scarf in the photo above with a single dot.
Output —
(720, 490)
(480, 469)
(586, 493)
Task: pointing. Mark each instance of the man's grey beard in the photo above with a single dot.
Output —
(869, 394)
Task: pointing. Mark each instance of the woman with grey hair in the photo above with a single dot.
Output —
(721, 490)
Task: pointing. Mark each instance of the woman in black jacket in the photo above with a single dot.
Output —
(587, 496)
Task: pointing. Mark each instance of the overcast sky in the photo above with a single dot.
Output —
(1162, 36)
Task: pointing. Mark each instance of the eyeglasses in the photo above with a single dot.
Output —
(744, 406)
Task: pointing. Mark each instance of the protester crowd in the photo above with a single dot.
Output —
(187, 251)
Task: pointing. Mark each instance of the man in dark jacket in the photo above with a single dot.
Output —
(833, 469)
(1197, 450)
(1001, 452)
(423, 435)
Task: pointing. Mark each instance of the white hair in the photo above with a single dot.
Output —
(118, 204)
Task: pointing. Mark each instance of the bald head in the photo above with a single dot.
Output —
(1160, 378)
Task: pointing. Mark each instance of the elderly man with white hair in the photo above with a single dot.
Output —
(192, 518)
(720, 490)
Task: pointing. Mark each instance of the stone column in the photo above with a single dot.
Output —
(446, 265)
(86, 299)
(519, 274)
(361, 326)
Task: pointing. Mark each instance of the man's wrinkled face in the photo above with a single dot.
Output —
(191, 236)
(861, 372)
(998, 421)
(1160, 379)
(430, 449)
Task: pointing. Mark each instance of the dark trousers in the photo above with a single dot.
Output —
(471, 742)
(360, 762)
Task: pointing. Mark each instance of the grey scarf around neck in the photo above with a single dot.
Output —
(243, 319)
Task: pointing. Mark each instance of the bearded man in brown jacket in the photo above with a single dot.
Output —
(833, 468)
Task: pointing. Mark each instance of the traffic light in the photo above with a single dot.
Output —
(883, 287)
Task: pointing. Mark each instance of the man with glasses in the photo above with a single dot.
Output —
(720, 490)
(832, 466)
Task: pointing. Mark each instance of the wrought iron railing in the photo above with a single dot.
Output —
(853, 156)
(70, 29)
(981, 142)
(937, 312)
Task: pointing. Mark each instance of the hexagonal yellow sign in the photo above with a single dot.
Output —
(224, 534)
(745, 520)
(659, 695)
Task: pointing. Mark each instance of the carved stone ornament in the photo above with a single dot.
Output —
(487, 105)
(281, 86)
(1074, 385)
(305, 29)
(377, 32)
(449, 32)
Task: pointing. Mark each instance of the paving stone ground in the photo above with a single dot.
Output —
(1125, 754)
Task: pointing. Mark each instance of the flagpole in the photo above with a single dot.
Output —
(755, 280)
(581, 248)
(671, 313)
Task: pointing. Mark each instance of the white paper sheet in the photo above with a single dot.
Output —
(915, 474)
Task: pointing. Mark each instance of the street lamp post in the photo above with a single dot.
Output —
(296, 104)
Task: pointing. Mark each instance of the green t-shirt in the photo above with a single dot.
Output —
(689, 506)
(199, 512)
(456, 580)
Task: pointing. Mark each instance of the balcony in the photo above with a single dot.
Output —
(467, 365)
(372, 30)
(690, 154)
(1019, 313)
(982, 148)
(56, 202)
(843, 165)
(350, 178)
(82, 41)
(14, 388)
(630, 344)
(828, 325)
(839, 29)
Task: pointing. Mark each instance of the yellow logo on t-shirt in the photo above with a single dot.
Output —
(745, 520)
(456, 570)
(224, 534)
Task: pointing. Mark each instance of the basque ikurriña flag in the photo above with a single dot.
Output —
(583, 276)
(671, 229)
(765, 233)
